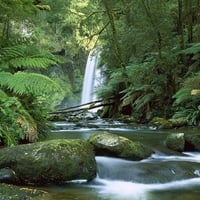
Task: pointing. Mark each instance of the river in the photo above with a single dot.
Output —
(159, 177)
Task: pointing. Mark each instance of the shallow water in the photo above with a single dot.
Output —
(158, 177)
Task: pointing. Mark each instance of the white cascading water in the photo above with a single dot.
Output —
(111, 172)
(90, 78)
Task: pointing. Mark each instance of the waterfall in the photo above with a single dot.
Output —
(90, 77)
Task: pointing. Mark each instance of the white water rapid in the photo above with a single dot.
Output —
(145, 180)
(91, 77)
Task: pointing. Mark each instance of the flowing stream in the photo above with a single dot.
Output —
(161, 176)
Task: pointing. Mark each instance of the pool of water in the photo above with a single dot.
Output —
(158, 177)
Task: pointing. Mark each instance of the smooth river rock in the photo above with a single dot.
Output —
(107, 144)
(183, 142)
(176, 141)
(52, 161)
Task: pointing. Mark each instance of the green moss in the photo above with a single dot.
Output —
(11, 192)
(161, 123)
(113, 145)
(50, 161)
(176, 141)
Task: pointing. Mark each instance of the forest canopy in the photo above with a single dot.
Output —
(151, 50)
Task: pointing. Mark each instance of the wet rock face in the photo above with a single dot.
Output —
(52, 161)
(107, 144)
(192, 142)
(176, 142)
(183, 142)
(7, 175)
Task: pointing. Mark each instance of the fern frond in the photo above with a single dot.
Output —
(195, 48)
(29, 83)
(21, 56)
(143, 100)
(13, 51)
(183, 95)
(181, 113)
(36, 83)
(31, 62)
(135, 89)
(4, 78)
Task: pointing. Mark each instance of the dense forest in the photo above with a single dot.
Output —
(151, 50)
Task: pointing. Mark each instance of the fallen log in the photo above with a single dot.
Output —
(82, 107)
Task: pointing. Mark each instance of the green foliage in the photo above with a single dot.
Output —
(194, 52)
(187, 100)
(26, 57)
(10, 110)
(24, 83)
(26, 92)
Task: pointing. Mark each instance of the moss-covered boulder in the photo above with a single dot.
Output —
(179, 122)
(192, 142)
(161, 123)
(52, 161)
(11, 192)
(176, 141)
(183, 142)
(107, 144)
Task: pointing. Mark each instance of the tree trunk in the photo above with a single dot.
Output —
(189, 13)
(115, 40)
(114, 30)
(157, 31)
(180, 23)
(6, 29)
(198, 19)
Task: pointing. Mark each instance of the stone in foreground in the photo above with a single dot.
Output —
(11, 192)
(107, 144)
(52, 161)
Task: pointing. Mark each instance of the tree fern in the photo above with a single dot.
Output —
(31, 95)
(26, 57)
(183, 95)
(31, 62)
(193, 50)
(143, 100)
(28, 83)
(187, 100)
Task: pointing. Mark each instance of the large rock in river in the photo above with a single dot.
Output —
(107, 144)
(183, 142)
(192, 142)
(176, 141)
(52, 161)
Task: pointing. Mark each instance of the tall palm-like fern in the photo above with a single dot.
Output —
(187, 100)
(26, 83)
(20, 57)
(19, 81)
(194, 52)
(17, 62)
(143, 88)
